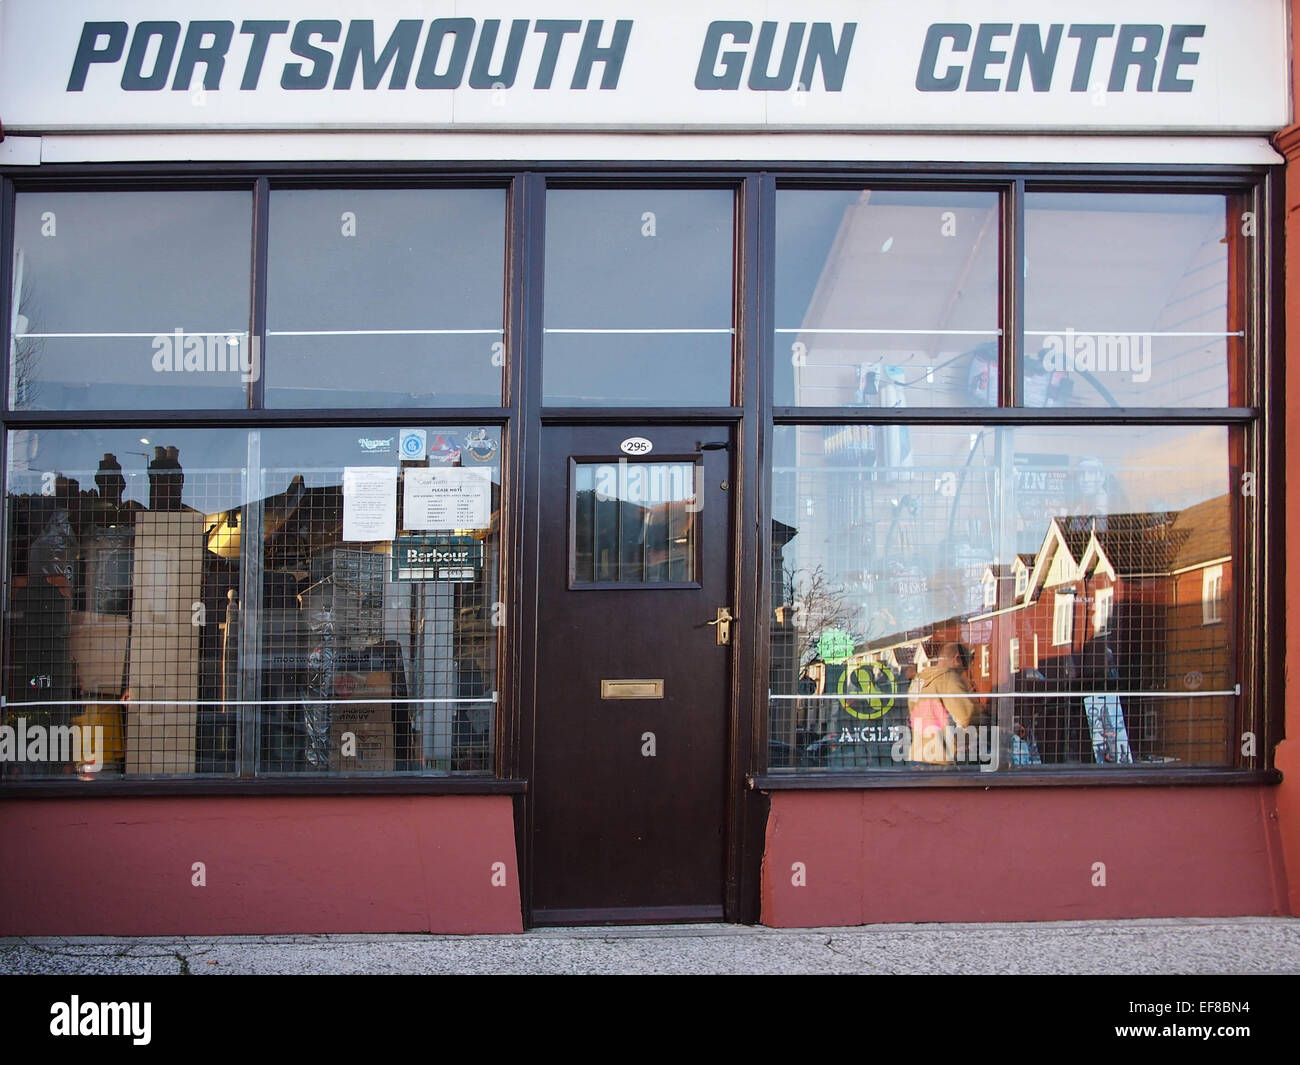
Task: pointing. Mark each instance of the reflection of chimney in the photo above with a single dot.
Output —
(110, 481)
(166, 481)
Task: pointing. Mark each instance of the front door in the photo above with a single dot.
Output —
(629, 777)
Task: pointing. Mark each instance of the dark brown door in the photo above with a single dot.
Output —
(628, 789)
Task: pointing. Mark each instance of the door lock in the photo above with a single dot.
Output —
(722, 625)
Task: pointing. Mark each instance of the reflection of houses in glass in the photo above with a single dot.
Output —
(1109, 604)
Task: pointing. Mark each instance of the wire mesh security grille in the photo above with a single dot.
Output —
(177, 617)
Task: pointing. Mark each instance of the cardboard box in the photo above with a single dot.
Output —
(365, 697)
(373, 743)
(159, 739)
(166, 585)
(369, 723)
(98, 645)
(167, 570)
(164, 656)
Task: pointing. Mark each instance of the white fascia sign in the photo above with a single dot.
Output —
(676, 65)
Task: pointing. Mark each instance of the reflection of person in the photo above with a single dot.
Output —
(939, 697)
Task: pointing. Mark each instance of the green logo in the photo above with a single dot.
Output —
(835, 646)
(878, 686)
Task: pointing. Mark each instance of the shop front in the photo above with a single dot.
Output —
(470, 470)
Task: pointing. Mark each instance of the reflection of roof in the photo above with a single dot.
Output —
(782, 533)
(1075, 531)
(1133, 543)
(1132, 552)
(1206, 531)
(1160, 542)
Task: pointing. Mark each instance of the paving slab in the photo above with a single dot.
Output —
(1246, 945)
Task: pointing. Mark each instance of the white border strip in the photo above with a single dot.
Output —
(505, 146)
(1015, 695)
(915, 332)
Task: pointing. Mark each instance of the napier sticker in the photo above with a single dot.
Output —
(375, 445)
(636, 445)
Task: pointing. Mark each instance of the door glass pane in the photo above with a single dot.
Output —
(634, 523)
(886, 298)
(1107, 563)
(386, 298)
(638, 297)
(1133, 300)
(131, 300)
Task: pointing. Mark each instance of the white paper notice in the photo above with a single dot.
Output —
(454, 497)
(369, 503)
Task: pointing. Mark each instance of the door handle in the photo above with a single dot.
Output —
(722, 625)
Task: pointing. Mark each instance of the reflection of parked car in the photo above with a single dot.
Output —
(781, 755)
(833, 751)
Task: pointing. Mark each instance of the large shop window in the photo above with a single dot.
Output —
(915, 557)
(278, 601)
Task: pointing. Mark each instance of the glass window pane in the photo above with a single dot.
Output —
(386, 298)
(1133, 300)
(634, 523)
(1089, 557)
(366, 643)
(121, 562)
(388, 630)
(886, 298)
(638, 297)
(131, 300)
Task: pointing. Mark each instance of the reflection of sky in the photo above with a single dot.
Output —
(603, 272)
(135, 261)
(155, 262)
(213, 460)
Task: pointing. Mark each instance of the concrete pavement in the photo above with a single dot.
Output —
(1147, 947)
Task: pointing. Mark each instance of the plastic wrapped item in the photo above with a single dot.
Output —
(53, 553)
(316, 716)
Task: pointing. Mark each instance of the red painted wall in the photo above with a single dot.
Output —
(1017, 854)
(108, 866)
(1287, 755)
